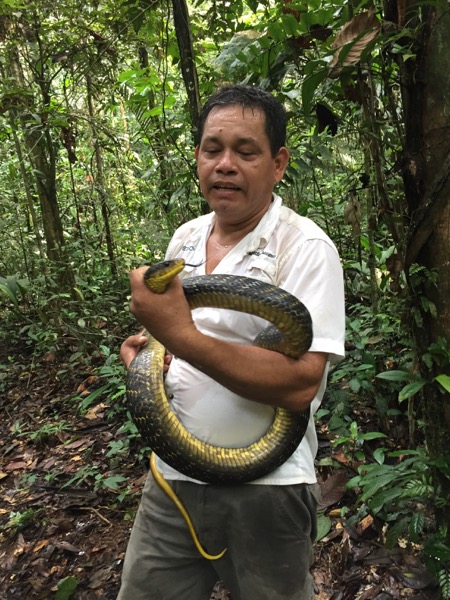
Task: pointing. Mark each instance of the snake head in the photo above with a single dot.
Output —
(158, 276)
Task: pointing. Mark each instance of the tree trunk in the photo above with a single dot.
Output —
(28, 192)
(435, 226)
(428, 195)
(188, 68)
(42, 155)
(100, 181)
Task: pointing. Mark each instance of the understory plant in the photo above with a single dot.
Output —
(400, 490)
(374, 392)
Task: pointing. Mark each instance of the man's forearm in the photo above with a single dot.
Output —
(255, 373)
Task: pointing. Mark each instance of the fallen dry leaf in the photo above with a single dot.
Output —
(40, 545)
(20, 545)
(333, 488)
(68, 547)
(93, 413)
(364, 524)
(78, 443)
(15, 466)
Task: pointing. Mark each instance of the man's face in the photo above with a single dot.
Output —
(236, 169)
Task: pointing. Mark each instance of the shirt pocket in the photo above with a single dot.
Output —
(263, 270)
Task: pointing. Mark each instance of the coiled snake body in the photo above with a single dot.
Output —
(150, 408)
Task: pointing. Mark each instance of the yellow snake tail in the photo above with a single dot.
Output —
(169, 491)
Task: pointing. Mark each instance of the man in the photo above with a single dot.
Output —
(227, 398)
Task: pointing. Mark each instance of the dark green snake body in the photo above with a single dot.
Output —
(161, 428)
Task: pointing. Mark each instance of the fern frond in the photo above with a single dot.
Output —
(444, 583)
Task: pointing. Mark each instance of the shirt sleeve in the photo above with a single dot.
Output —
(313, 273)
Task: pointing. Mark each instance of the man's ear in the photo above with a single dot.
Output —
(281, 160)
(196, 151)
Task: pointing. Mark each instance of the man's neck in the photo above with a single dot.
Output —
(225, 236)
(229, 232)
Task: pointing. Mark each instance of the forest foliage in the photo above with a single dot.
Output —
(97, 126)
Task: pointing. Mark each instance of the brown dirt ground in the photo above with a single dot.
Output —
(81, 530)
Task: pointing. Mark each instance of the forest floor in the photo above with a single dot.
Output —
(64, 527)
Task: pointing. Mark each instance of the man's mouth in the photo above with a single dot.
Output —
(220, 186)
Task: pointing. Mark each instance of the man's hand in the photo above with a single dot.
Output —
(131, 347)
(167, 316)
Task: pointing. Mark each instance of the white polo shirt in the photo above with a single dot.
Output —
(290, 252)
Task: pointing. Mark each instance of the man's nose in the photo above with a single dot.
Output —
(226, 163)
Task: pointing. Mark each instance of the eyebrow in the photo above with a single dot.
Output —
(239, 141)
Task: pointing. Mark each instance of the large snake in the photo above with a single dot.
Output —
(160, 428)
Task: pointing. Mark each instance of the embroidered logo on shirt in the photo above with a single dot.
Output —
(188, 248)
(263, 253)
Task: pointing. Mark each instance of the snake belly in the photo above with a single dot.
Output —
(160, 427)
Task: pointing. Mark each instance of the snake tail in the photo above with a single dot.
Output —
(171, 494)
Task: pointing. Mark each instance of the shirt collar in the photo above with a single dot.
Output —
(262, 232)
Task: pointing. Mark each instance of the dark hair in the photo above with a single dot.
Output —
(248, 97)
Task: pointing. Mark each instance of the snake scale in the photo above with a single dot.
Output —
(158, 425)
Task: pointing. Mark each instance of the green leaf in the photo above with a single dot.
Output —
(153, 112)
(310, 84)
(276, 31)
(375, 484)
(438, 550)
(443, 576)
(410, 389)
(372, 435)
(322, 412)
(379, 455)
(416, 524)
(8, 293)
(443, 380)
(395, 532)
(170, 101)
(66, 587)
(290, 25)
(354, 482)
(323, 526)
(106, 351)
(130, 74)
(354, 384)
(90, 398)
(384, 498)
(112, 483)
(80, 293)
(396, 376)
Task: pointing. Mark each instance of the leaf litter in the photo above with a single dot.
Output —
(63, 531)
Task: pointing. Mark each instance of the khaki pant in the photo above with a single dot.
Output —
(268, 530)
